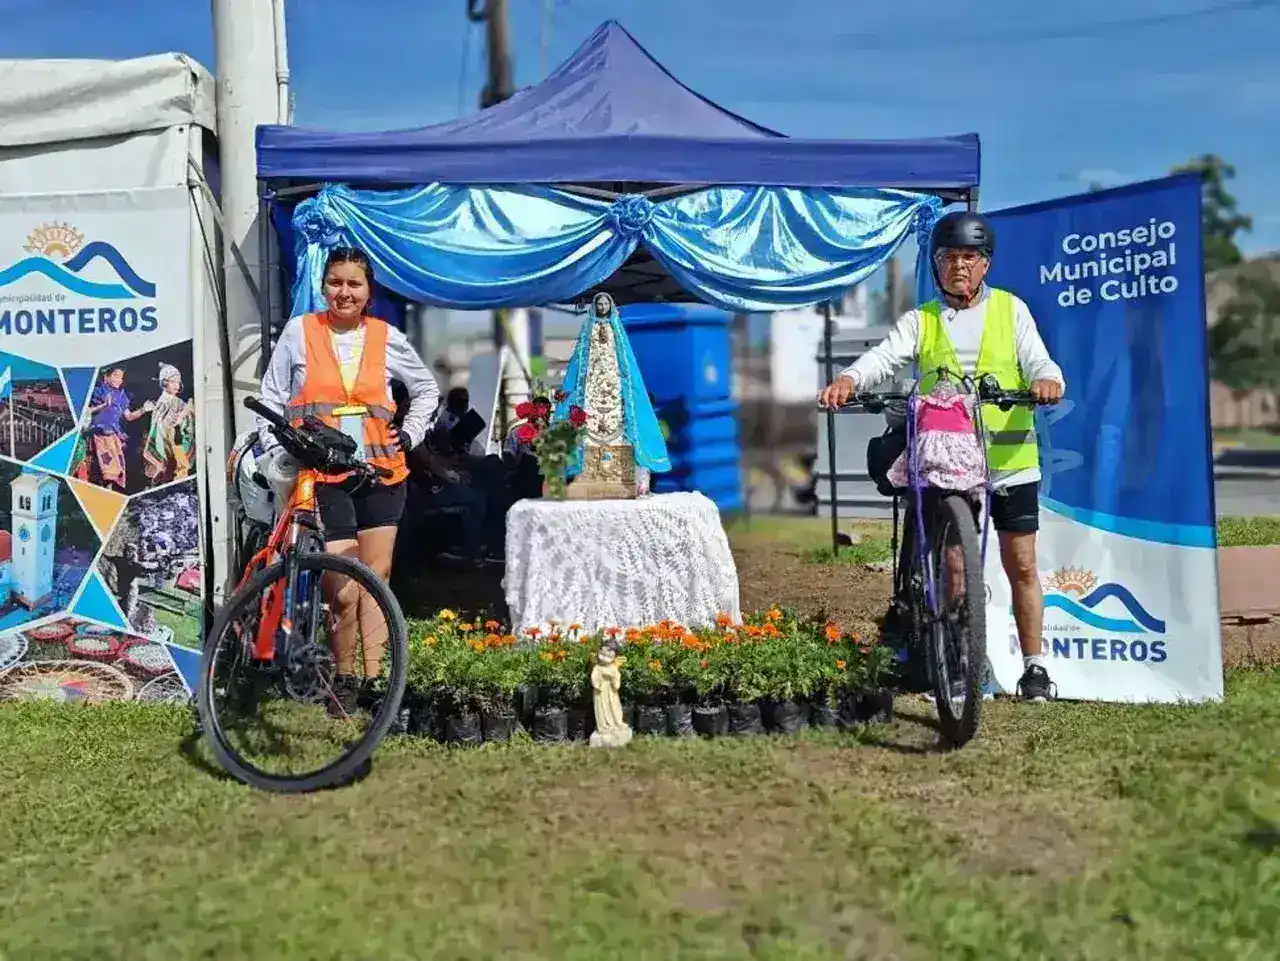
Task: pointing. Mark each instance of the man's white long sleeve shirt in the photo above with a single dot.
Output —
(898, 350)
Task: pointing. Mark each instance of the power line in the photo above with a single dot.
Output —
(1064, 32)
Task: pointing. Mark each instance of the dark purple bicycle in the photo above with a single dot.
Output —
(942, 585)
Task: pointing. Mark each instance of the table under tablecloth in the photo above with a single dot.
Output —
(619, 563)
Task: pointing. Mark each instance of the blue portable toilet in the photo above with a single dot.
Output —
(684, 355)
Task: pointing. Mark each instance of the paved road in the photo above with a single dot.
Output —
(1252, 497)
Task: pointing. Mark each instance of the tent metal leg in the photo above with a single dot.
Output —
(264, 284)
(831, 429)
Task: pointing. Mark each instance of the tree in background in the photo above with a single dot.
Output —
(1244, 345)
(1221, 215)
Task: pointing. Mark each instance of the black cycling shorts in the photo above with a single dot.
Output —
(1016, 509)
(356, 505)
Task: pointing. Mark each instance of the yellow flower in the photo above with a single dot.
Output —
(432, 641)
(447, 615)
(544, 655)
(477, 646)
(839, 665)
(466, 627)
(655, 665)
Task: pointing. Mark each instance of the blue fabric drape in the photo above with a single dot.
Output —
(639, 421)
(745, 249)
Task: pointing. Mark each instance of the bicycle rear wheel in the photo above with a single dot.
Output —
(268, 722)
(955, 636)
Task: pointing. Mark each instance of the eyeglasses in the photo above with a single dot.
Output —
(959, 255)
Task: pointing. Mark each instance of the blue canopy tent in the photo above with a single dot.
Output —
(609, 123)
(608, 175)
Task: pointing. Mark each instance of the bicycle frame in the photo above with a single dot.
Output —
(917, 486)
(300, 512)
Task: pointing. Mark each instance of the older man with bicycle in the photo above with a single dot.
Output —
(979, 330)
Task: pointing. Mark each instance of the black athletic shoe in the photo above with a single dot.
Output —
(1034, 685)
(343, 700)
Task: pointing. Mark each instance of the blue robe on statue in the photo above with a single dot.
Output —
(639, 422)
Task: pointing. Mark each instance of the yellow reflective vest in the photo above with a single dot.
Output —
(1011, 434)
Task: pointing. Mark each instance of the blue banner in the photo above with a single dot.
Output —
(1115, 282)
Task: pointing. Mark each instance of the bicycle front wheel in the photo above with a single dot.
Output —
(956, 637)
(275, 718)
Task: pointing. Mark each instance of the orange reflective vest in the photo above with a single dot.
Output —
(324, 395)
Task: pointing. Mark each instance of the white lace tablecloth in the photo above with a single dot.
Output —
(619, 563)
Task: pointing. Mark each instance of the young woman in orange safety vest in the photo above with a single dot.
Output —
(337, 366)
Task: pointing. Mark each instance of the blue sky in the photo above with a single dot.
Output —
(1061, 94)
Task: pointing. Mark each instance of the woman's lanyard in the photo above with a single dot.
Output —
(351, 417)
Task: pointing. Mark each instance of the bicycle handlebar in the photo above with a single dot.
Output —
(311, 450)
(989, 391)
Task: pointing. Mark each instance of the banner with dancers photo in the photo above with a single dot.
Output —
(100, 564)
(1128, 540)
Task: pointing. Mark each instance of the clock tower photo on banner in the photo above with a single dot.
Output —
(100, 560)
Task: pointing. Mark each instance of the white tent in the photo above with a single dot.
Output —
(109, 247)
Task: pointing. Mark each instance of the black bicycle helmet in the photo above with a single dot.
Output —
(963, 229)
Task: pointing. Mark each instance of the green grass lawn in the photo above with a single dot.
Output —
(1066, 831)
(1248, 531)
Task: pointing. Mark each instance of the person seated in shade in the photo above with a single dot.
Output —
(456, 405)
(439, 482)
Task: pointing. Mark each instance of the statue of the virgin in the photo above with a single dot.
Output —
(622, 438)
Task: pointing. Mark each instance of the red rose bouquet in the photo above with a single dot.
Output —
(553, 441)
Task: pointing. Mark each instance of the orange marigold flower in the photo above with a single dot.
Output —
(493, 640)
(753, 631)
(612, 632)
(432, 640)
(774, 614)
(771, 630)
(464, 626)
(655, 665)
(561, 654)
(575, 627)
(532, 632)
(839, 665)
(833, 632)
(723, 620)
(545, 655)
(508, 640)
(491, 625)
(477, 646)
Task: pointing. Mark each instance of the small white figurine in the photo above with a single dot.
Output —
(606, 678)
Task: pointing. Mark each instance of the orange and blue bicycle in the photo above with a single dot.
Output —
(298, 618)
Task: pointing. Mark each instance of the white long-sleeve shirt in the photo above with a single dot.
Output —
(964, 327)
(288, 369)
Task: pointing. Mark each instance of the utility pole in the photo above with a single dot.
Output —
(498, 84)
(544, 28)
(508, 325)
(252, 90)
